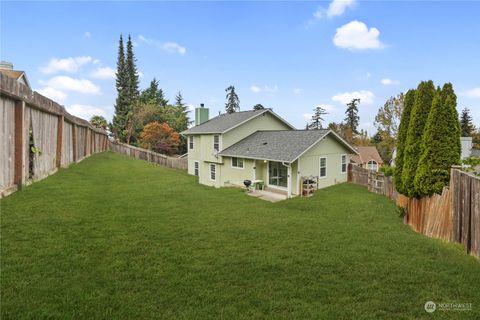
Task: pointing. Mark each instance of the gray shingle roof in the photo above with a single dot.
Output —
(224, 122)
(276, 145)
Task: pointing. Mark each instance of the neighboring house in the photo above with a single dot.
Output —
(6, 68)
(367, 157)
(260, 145)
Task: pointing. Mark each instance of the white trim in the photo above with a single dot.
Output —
(341, 164)
(193, 143)
(231, 163)
(373, 161)
(267, 183)
(319, 167)
(210, 172)
(298, 177)
(197, 163)
(213, 143)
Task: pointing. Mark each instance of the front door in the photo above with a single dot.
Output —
(277, 174)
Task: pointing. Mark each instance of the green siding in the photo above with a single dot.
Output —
(266, 121)
(329, 147)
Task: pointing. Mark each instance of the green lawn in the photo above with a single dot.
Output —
(117, 238)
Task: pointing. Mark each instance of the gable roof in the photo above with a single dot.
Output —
(278, 145)
(227, 121)
(366, 154)
(16, 74)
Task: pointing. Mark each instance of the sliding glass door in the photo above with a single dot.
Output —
(277, 174)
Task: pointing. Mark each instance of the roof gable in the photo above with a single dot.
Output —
(278, 145)
(366, 154)
(228, 121)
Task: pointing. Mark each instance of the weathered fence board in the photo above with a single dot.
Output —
(7, 144)
(67, 150)
(150, 156)
(454, 215)
(44, 132)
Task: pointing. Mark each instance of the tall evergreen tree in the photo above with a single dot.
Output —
(441, 143)
(351, 115)
(153, 95)
(233, 102)
(408, 102)
(317, 118)
(132, 72)
(121, 104)
(466, 123)
(414, 147)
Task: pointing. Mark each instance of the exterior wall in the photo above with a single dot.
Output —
(309, 163)
(225, 175)
(266, 121)
(235, 176)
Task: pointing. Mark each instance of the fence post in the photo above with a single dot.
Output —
(19, 174)
(59, 141)
(74, 141)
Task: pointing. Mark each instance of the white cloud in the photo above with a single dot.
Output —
(71, 84)
(67, 65)
(389, 82)
(103, 73)
(54, 94)
(297, 90)
(355, 35)
(170, 47)
(271, 89)
(327, 107)
(173, 47)
(86, 112)
(307, 116)
(139, 74)
(474, 93)
(335, 8)
(365, 96)
(87, 35)
(368, 75)
(255, 89)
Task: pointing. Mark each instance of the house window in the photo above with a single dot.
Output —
(323, 167)
(237, 163)
(213, 171)
(372, 165)
(344, 163)
(216, 142)
(195, 168)
(190, 142)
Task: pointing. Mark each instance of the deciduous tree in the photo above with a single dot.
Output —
(159, 137)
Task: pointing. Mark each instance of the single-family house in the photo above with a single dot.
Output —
(367, 157)
(259, 145)
(6, 68)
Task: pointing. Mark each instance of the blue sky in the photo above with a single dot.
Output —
(290, 56)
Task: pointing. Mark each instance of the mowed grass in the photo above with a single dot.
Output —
(117, 238)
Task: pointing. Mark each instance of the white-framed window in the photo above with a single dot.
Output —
(237, 163)
(372, 165)
(190, 142)
(213, 171)
(323, 167)
(195, 168)
(216, 142)
(344, 163)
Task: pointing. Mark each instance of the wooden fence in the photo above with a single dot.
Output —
(454, 215)
(150, 156)
(37, 136)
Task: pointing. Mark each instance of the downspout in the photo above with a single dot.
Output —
(289, 179)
